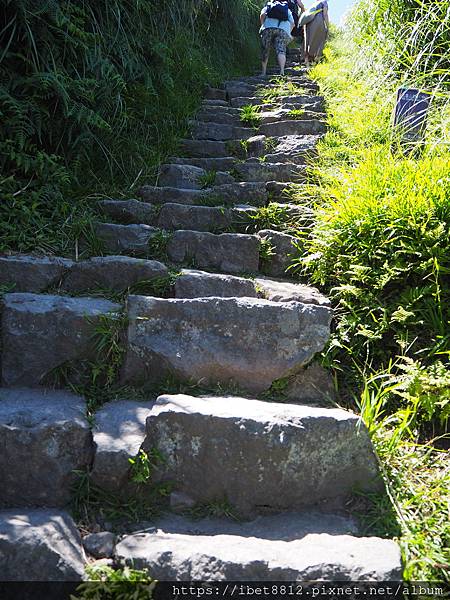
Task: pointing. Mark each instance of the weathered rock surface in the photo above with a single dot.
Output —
(224, 163)
(220, 132)
(284, 247)
(256, 145)
(261, 551)
(40, 545)
(227, 252)
(40, 333)
(100, 545)
(32, 273)
(118, 435)
(312, 385)
(287, 456)
(245, 341)
(199, 284)
(285, 291)
(265, 171)
(111, 272)
(44, 438)
(195, 218)
(186, 177)
(291, 148)
(129, 211)
(218, 115)
(131, 239)
(253, 193)
(293, 127)
(204, 148)
(215, 94)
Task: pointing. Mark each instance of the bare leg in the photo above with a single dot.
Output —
(264, 66)
(282, 62)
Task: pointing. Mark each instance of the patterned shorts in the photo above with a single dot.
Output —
(277, 37)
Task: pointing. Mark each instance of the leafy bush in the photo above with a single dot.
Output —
(94, 94)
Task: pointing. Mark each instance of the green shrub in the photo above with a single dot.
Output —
(94, 94)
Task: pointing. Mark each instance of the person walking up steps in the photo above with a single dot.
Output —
(316, 25)
(277, 23)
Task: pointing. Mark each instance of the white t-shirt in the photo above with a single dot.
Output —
(271, 23)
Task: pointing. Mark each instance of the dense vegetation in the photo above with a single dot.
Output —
(92, 96)
(381, 249)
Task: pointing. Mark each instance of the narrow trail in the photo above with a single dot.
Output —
(229, 316)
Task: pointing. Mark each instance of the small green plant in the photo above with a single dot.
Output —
(250, 115)
(143, 464)
(270, 144)
(207, 180)
(281, 88)
(215, 508)
(157, 245)
(296, 114)
(105, 582)
(266, 251)
(273, 216)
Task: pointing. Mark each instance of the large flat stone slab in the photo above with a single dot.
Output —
(119, 432)
(244, 341)
(40, 545)
(115, 273)
(253, 193)
(226, 252)
(129, 239)
(42, 332)
(253, 170)
(224, 163)
(285, 291)
(293, 127)
(308, 547)
(44, 438)
(204, 148)
(287, 456)
(26, 273)
(189, 177)
(195, 218)
(129, 211)
(201, 130)
(199, 284)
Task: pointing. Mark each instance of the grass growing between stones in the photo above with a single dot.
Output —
(380, 249)
(250, 115)
(119, 583)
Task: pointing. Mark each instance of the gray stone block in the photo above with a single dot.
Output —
(287, 457)
(285, 291)
(227, 252)
(199, 284)
(264, 171)
(219, 132)
(284, 250)
(293, 127)
(40, 333)
(100, 545)
(195, 218)
(111, 272)
(311, 546)
(129, 211)
(40, 545)
(130, 239)
(118, 435)
(44, 438)
(204, 148)
(224, 163)
(242, 341)
(32, 273)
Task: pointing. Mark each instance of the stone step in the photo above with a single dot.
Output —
(290, 547)
(215, 94)
(39, 545)
(226, 252)
(284, 249)
(125, 239)
(224, 163)
(43, 332)
(252, 193)
(201, 130)
(37, 274)
(293, 127)
(129, 211)
(300, 100)
(241, 89)
(223, 117)
(289, 457)
(190, 177)
(203, 218)
(254, 170)
(281, 114)
(45, 438)
(213, 102)
(204, 148)
(239, 341)
(199, 284)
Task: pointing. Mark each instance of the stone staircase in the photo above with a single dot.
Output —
(222, 311)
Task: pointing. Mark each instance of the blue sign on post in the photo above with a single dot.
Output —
(410, 117)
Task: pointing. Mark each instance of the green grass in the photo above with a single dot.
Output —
(380, 248)
(122, 583)
(250, 115)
